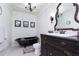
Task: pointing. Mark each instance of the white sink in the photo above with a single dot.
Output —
(62, 35)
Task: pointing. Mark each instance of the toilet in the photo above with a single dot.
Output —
(37, 48)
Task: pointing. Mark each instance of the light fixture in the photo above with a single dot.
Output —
(51, 18)
(29, 7)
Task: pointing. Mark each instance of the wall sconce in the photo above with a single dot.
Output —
(60, 14)
(51, 18)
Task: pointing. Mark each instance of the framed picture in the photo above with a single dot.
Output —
(17, 23)
(32, 24)
(25, 23)
(0, 10)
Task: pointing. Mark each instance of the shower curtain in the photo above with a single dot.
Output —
(3, 42)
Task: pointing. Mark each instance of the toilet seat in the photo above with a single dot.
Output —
(37, 48)
(36, 45)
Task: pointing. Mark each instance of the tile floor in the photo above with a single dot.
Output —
(15, 51)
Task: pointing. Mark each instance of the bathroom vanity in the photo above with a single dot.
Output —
(66, 43)
(52, 45)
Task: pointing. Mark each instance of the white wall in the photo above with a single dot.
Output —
(5, 20)
(44, 23)
(19, 32)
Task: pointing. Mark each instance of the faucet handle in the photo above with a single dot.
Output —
(50, 31)
(62, 31)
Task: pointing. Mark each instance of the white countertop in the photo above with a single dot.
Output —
(62, 35)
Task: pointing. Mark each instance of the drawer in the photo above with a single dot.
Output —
(59, 41)
(66, 43)
(77, 46)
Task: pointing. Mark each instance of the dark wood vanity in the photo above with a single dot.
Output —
(59, 46)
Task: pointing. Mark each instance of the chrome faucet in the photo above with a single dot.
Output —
(62, 31)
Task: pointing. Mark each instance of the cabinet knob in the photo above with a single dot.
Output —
(78, 51)
(50, 54)
(44, 42)
(45, 38)
(67, 53)
(63, 43)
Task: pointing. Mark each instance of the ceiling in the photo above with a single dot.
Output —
(21, 7)
(39, 7)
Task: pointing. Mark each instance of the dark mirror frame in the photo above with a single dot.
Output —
(75, 17)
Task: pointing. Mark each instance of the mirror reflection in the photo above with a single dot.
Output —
(67, 16)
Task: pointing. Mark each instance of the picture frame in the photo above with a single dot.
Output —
(0, 10)
(25, 23)
(32, 24)
(17, 23)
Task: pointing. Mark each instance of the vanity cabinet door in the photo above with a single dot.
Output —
(46, 50)
(77, 45)
(54, 50)
(43, 45)
(57, 52)
(43, 50)
(49, 50)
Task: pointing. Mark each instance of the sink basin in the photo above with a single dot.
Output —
(61, 35)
